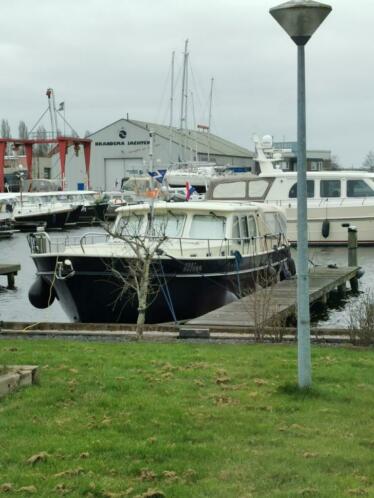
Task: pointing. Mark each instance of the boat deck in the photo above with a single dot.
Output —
(269, 306)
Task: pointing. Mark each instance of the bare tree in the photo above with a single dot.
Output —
(23, 132)
(369, 161)
(41, 150)
(5, 129)
(134, 272)
(335, 163)
(6, 133)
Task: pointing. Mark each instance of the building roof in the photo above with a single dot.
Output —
(192, 139)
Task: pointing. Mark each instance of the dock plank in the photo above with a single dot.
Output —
(275, 300)
(5, 269)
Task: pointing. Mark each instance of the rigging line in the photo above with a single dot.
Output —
(165, 291)
(168, 292)
(199, 91)
(36, 124)
(67, 122)
(163, 95)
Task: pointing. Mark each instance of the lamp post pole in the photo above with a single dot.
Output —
(303, 313)
(300, 19)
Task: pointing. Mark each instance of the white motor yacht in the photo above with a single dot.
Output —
(335, 199)
(208, 254)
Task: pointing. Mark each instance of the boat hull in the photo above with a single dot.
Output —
(50, 220)
(181, 288)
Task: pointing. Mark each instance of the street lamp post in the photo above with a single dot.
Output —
(300, 19)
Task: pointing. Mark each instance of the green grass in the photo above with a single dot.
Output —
(188, 420)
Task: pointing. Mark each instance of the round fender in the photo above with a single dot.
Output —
(325, 228)
(291, 266)
(40, 294)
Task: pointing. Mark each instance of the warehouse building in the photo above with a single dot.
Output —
(127, 147)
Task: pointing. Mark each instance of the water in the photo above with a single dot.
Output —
(15, 306)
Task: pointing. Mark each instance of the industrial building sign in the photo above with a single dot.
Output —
(130, 142)
(123, 134)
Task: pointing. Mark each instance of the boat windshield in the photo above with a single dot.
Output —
(276, 223)
(170, 225)
(129, 226)
(208, 227)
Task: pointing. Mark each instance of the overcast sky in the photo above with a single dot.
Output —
(107, 58)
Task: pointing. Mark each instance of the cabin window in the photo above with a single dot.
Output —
(275, 223)
(208, 227)
(282, 222)
(235, 228)
(257, 188)
(309, 188)
(231, 190)
(243, 227)
(330, 188)
(129, 225)
(170, 225)
(252, 226)
(359, 188)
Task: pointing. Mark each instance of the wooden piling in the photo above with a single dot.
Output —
(10, 271)
(352, 254)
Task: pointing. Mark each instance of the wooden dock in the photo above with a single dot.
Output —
(10, 270)
(269, 306)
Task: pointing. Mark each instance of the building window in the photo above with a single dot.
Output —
(309, 187)
(47, 173)
(316, 165)
(358, 188)
(330, 188)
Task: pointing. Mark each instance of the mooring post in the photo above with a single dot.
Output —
(352, 254)
(11, 281)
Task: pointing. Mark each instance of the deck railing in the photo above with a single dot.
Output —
(41, 243)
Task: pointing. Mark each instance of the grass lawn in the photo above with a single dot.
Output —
(222, 421)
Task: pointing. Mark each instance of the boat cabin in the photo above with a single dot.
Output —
(220, 227)
(321, 186)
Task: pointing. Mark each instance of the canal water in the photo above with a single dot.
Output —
(14, 304)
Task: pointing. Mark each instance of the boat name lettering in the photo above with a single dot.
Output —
(192, 268)
(131, 142)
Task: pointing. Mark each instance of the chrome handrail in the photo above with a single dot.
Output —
(223, 246)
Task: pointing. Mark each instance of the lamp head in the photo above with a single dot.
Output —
(300, 18)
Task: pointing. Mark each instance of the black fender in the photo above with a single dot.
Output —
(325, 228)
(41, 294)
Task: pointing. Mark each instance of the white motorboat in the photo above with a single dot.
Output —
(30, 210)
(209, 253)
(6, 215)
(335, 199)
(197, 174)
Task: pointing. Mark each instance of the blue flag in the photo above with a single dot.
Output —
(158, 175)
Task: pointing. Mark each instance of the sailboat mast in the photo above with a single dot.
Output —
(171, 105)
(210, 114)
(210, 102)
(184, 89)
(172, 90)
